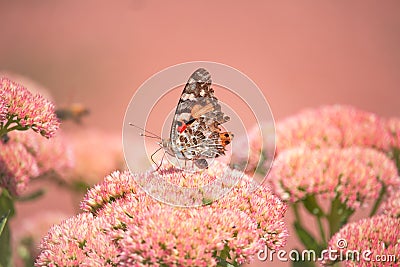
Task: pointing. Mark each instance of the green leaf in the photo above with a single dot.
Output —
(3, 221)
(5, 248)
(33, 196)
(6, 209)
(311, 204)
(80, 186)
(225, 253)
(206, 201)
(224, 263)
(24, 250)
(308, 240)
(6, 203)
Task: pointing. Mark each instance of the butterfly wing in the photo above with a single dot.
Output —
(199, 81)
(195, 131)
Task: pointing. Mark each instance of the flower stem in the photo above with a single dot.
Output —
(297, 216)
(338, 216)
(396, 157)
(378, 201)
(4, 127)
(321, 231)
(18, 127)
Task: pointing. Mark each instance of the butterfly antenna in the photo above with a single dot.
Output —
(149, 136)
(153, 135)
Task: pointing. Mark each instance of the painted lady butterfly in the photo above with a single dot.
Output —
(195, 132)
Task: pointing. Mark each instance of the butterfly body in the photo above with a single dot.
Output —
(195, 132)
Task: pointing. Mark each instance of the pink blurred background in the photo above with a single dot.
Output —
(301, 53)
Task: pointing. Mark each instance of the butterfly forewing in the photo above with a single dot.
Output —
(195, 132)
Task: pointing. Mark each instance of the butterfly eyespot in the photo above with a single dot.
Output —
(226, 135)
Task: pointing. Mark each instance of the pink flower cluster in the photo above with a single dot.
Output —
(378, 235)
(17, 166)
(53, 154)
(26, 110)
(391, 207)
(393, 127)
(260, 204)
(357, 174)
(140, 231)
(171, 236)
(333, 126)
(27, 155)
(3, 108)
(78, 241)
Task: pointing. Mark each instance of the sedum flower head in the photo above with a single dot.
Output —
(27, 155)
(3, 107)
(149, 233)
(262, 205)
(78, 241)
(51, 155)
(378, 234)
(332, 126)
(391, 207)
(393, 127)
(356, 174)
(187, 237)
(17, 167)
(115, 186)
(27, 110)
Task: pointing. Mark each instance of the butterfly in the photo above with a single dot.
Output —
(195, 133)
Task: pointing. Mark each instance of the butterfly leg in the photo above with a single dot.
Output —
(152, 159)
(162, 159)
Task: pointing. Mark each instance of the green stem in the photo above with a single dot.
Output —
(378, 201)
(338, 216)
(295, 208)
(6, 207)
(321, 231)
(396, 157)
(4, 129)
(333, 218)
(18, 127)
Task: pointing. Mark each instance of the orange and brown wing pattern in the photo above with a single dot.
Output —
(195, 133)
